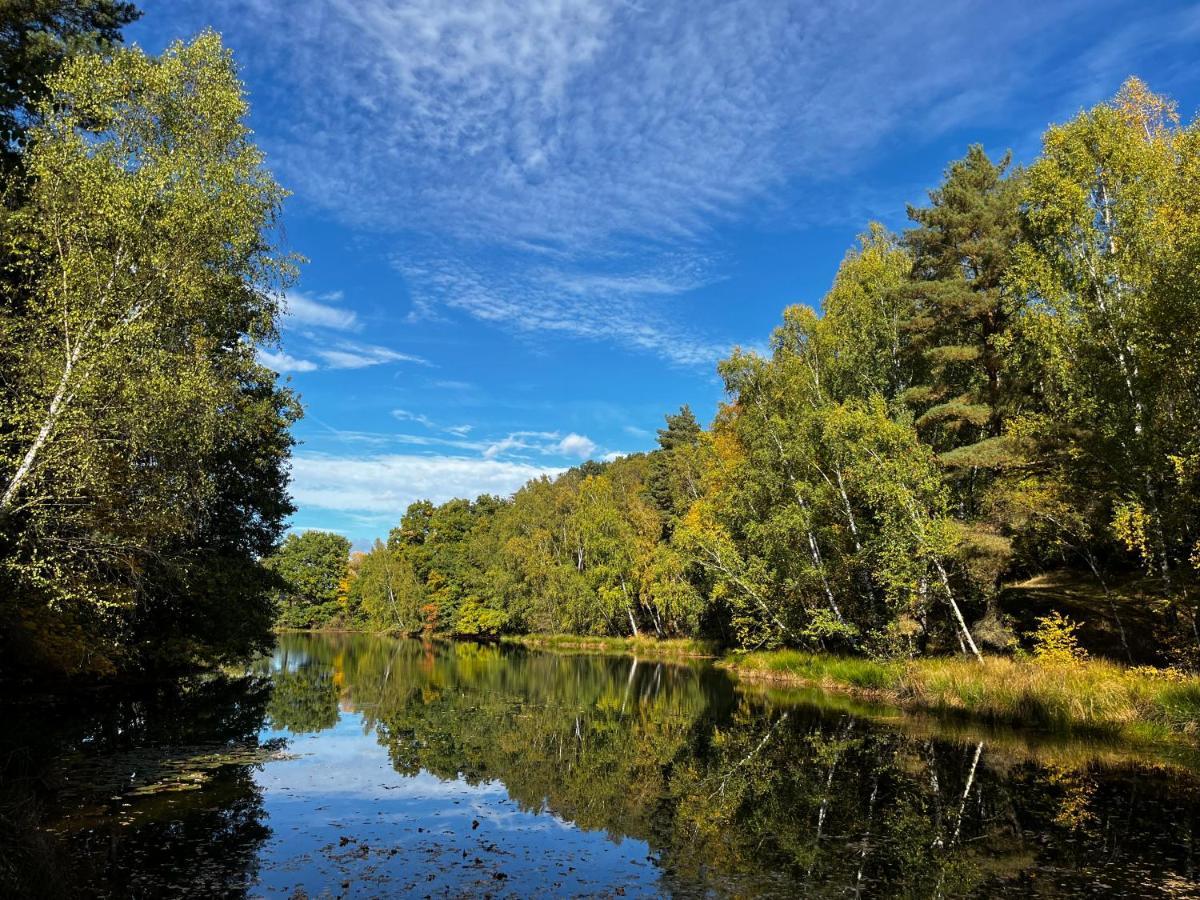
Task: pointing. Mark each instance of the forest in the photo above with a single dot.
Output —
(916, 613)
(143, 447)
(989, 419)
(999, 404)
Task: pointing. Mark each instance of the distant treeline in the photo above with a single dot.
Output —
(1010, 386)
(143, 449)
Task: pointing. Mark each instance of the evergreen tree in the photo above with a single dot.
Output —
(962, 249)
(672, 482)
(36, 38)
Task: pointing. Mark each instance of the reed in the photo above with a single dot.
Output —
(1080, 695)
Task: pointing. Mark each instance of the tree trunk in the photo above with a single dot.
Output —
(52, 413)
(962, 623)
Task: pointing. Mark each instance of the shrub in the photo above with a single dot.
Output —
(1055, 642)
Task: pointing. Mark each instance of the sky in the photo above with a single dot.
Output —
(533, 228)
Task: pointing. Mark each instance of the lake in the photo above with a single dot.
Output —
(353, 765)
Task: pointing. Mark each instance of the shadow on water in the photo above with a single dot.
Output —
(140, 794)
(348, 764)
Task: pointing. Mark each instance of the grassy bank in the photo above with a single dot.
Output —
(640, 646)
(1091, 696)
(1086, 696)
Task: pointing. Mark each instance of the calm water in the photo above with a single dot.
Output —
(361, 766)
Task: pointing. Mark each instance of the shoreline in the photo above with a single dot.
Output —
(1085, 697)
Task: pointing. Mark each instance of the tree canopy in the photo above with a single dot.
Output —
(1006, 389)
(143, 448)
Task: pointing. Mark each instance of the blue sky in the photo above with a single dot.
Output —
(534, 227)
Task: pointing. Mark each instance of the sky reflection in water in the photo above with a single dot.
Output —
(420, 834)
(348, 765)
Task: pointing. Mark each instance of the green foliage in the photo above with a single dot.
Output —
(959, 315)
(303, 699)
(1056, 641)
(673, 480)
(386, 591)
(313, 567)
(1113, 238)
(1009, 386)
(36, 38)
(475, 620)
(143, 449)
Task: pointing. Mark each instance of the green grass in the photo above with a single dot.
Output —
(645, 646)
(818, 668)
(1089, 696)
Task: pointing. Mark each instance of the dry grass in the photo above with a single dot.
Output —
(1091, 695)
(642, 646)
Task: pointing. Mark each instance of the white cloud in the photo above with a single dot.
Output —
(518, 445)
(305, 310)
(405, 416)
(545, 443)
(599, 142)
(283, 362)
(308, 323)
(521, 440)
(382, 486)
(350, 355)
(543, 302)
(576, 445)
(459, 431)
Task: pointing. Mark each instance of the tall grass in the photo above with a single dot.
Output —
(642, 645)
(1084, 695)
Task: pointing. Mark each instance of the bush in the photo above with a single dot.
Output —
(1056, 642)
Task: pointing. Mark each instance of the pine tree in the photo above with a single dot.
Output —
(962, 248)
(670, 486)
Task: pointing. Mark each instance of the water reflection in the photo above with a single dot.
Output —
(135, 794)
(468, 769)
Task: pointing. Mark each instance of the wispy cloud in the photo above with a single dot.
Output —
(599, 143)
(341, 355)
(546, 303)
(314, 331)
(404, 415)
(519, 446)
(284, 362)
(380, 487)
(303, 309)
(351, 355)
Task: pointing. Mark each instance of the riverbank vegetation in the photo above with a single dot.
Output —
(1090, 696)
(1006, 394)
(753, 791)
(143, 448)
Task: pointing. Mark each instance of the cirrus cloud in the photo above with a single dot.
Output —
(563, 166)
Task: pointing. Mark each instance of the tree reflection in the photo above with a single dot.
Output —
(736, 793)
(138, 795)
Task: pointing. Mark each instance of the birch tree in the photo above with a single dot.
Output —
(136, 420)
(1110, 263)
